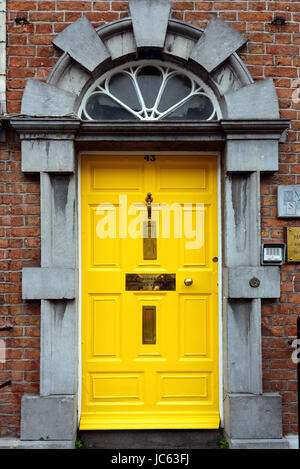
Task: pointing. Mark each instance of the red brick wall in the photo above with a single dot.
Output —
(19, 247)
(272, 51)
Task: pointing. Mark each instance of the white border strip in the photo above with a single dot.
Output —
(220, 265)
(2, 56)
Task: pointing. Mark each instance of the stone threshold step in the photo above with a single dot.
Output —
(150, 439)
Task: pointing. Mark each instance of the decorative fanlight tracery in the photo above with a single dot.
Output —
(149, 91)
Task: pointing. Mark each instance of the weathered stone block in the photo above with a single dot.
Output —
(251, 155)
(48, 418)
(150, 21)
(256, 101)
(241, 209)
(48, 283)
(58, 347)
(41, 99)
(243, 347)
(248, 416)
(83, 44)
(216, 44)
(48, 156)
(58, 194)
(242, 282)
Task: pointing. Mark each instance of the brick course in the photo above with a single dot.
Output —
(272, 51)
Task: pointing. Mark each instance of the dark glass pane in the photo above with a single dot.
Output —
(122, 88)
(149, 80)
(101, 107)
(197, 108)
(177, 88)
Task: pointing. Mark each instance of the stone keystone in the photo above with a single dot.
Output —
(83, 44)
(150, 21)
(216, 44)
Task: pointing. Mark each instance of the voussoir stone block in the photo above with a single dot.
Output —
(47, 418)
(256, 101)
(241, 278)
(48, 283)
(42, 99)
(216, 44)
(150, 21)
(83, 44)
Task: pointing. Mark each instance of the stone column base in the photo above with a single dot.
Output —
(50, 418)
(253, 417)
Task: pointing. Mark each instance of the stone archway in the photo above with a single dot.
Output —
(248, 134)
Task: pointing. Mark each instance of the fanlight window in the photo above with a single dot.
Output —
(149, 91)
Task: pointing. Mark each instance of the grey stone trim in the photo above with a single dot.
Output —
(239, 279)
(256, 101)
(48, 283)
(58, 347)
(69, 75)
(83, 44)
(242, 220)
(58, 221)
(217, 43)
(48, 418)
(248, 416)
(15, 443)
(48, 155)
(41, 99)
(41, 128)
(263, 443)
(243, 347)
(152, 32)
(251, 155)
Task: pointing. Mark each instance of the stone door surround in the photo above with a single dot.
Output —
(247, 135)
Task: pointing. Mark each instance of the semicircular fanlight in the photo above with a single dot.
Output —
(152, 91)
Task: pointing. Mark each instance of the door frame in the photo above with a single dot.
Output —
(220, 262)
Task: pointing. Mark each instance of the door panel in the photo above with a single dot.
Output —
(149, 357)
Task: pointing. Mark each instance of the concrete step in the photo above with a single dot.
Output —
(150, 439)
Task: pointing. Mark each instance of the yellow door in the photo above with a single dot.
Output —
(149, 337)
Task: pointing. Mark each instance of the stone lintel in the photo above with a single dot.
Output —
(216, 44)
(82, 43)
(48, 156)
(48, 283)
(248, 416)
(265, 280)
(50, 418)
(150, 21)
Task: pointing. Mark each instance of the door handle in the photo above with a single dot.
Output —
(188, 281)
